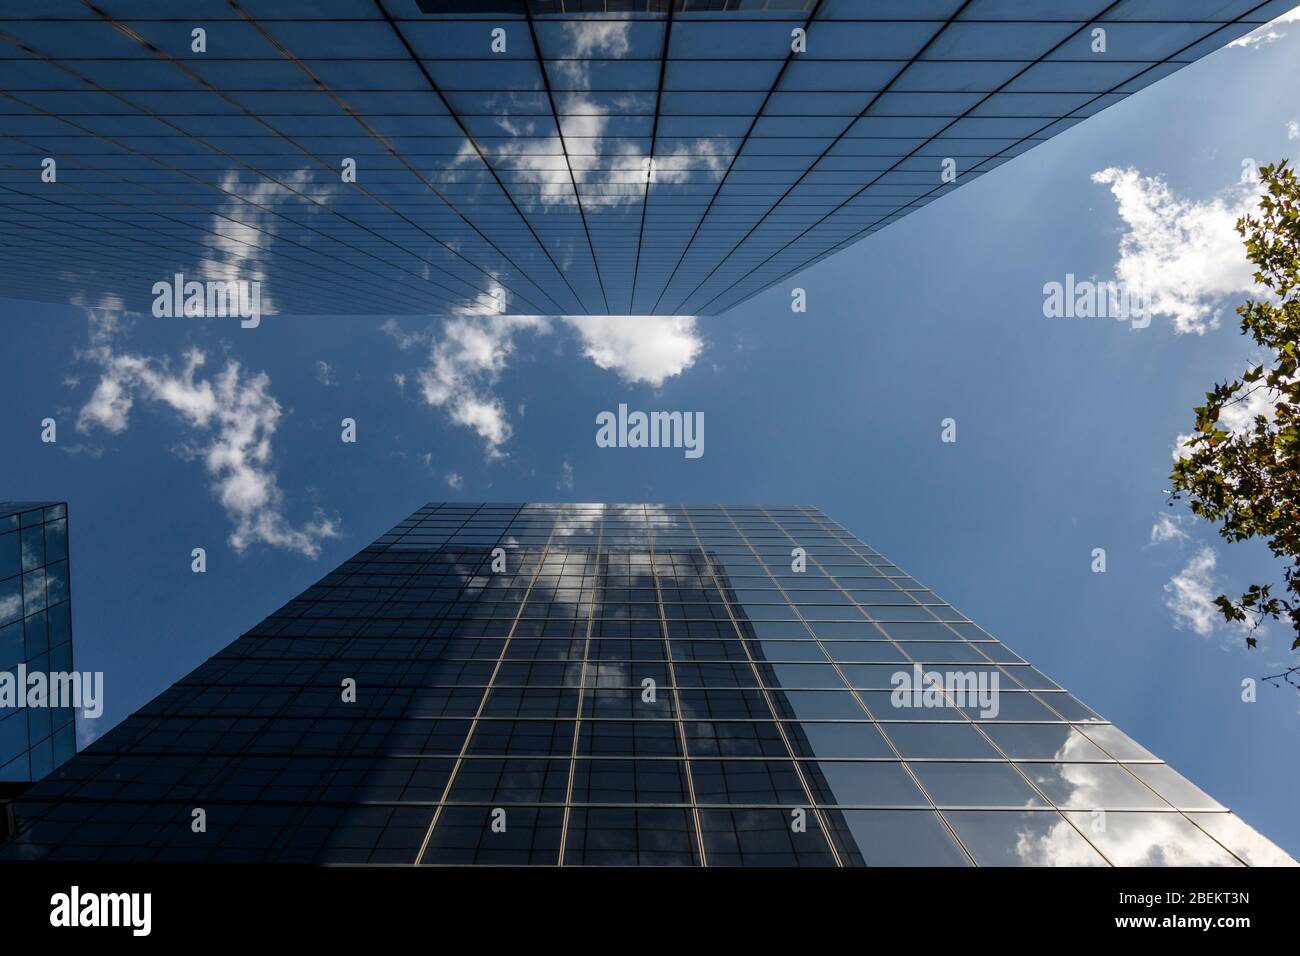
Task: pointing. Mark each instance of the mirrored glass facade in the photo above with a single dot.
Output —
(597, 684)
(35, 637)
(530, 156)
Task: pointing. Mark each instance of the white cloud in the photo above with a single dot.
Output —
(1191, 593)
(1184, 255)
(566, 477)
(464, 363)
(639, 348)
(1268, 33)
(1167, 528)
(455, 481)
(1293, 129)
(238, 417)
(468, 354)
(325, 373)
(484, 415)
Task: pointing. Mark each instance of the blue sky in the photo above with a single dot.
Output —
(1065, 428)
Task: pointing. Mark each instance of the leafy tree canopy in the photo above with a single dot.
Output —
(1247, 480)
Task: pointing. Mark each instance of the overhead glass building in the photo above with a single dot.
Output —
(597, 684)
(35, 638)
(530, 156)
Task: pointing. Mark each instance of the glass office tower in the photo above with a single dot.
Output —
(623, 684)
(531, 156)
(35, 638)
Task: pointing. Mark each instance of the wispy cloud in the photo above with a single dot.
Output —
(566, 477)
(11, 607)
(464, 363)
(1268, 33)
(1167, 528)
(405, 340)
(236, 415)
(325, 373)
(1190, 597)
(1191, 593)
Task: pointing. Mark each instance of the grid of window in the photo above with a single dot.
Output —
(646, 157)
(621, 684)
(35, 637)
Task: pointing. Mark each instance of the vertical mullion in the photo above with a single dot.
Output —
(582, 686)
(849, 684)
(735, 157)
(505, 647)
(767, 698)
(473, 143)
(339, 758)
(654, 140)
(564, 148)
(975, 724)
(677, 700)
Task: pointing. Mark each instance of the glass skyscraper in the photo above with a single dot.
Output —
(531, 156)
(35, 637)
(598, 684)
